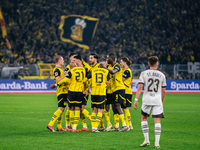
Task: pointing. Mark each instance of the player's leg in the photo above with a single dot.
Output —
(93, 117)
(107, 118)
(127, 112)
(67, 118)
(56, 114)
(59, 120)
(61, 105)
(106, 112)
(115, 118)
(119, 101)
(76, 118)
(72, 111)
(157, 113)
(98, 118)
(121, 116)
(83, 120)
(157, 130)
(83, 110)
(144, 124)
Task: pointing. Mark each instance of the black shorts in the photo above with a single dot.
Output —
(75, 99)
(119, 97)
(85, 99)
(62, 100)
(98, 101)
(109, 99)
(128, 101)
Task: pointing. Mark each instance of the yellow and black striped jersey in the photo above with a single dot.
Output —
(61, 89)
(86, 65)
(93, 67)
(127, 74)
(99, 77)
(117, 79)
(77, 77)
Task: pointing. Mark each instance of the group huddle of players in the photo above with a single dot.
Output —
(110, 84)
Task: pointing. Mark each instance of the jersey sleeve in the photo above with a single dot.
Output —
(126, 74)
(86, 65)
(69, 75)
(141, 78)
(164, 82)
(56, 72)
(117, 67)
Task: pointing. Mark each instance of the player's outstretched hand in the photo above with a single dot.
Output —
(52, 86)
(136, 105)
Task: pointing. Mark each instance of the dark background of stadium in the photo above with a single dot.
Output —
(135, 28)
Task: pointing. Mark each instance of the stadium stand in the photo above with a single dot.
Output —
(134, 28)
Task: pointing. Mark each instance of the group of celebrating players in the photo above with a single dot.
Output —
(110, 84)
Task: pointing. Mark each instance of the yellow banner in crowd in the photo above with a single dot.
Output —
(3, 29)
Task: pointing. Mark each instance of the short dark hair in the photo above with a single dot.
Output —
(71, 54)
(78, 57)
(153, 60)
(94, 55)
(112, 56)
(128, 62)
(57, 58)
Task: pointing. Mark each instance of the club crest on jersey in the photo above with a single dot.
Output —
(56, 73)
(77, 29)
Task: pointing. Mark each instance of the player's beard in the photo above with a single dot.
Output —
(91, 63)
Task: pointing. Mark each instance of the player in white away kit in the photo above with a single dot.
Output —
(154, 83)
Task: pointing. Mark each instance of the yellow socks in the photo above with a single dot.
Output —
(101, 123)
(127, 116)
(71, 117)
(107, 117)
(93, 120)
(59, 121)
(67, 118)
(86, 114)
(76, 118)
(83, 120)
(56, 115)
(98, 119)
(116, 120)
(121, 117)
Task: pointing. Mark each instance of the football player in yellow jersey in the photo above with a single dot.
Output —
(77, 77)
(127, 79)
(61, 95)
(84, 113)
(68, 67)
(99, 80)
(118, 89)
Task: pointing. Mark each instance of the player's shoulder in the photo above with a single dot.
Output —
(128, 70)
(117, 66)
(162, 74)
(67, 67)
(56, 69)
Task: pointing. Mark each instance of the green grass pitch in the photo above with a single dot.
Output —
(23, 121)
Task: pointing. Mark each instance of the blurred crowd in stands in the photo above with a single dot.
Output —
(169, 29)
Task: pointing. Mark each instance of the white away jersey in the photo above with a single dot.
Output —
(153, 81)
